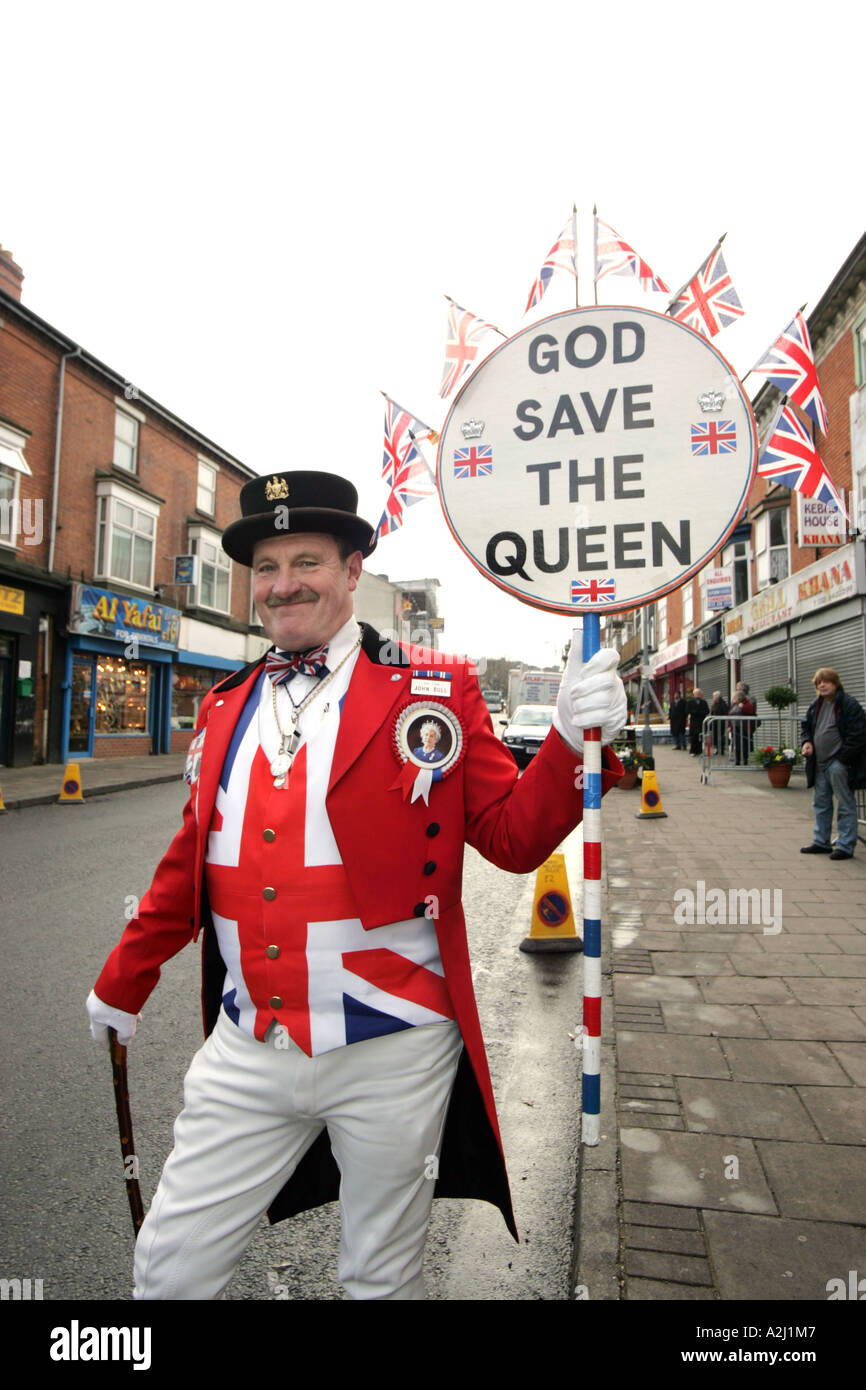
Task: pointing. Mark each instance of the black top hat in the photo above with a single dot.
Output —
(286, 503)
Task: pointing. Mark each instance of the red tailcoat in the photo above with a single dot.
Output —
(387, 844)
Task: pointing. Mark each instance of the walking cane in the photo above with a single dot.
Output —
(124, 1122)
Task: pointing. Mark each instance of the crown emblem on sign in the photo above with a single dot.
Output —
(276, 488)
(710, 401)
(472, 429)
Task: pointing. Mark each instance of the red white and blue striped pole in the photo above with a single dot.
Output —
(591, 1101)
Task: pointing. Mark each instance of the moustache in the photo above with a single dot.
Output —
(305, 596)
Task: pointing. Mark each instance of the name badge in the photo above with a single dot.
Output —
(422, 686)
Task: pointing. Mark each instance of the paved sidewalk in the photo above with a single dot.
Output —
(39, 786)
(734, 1050)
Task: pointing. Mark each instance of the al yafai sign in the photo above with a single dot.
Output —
(597, 459)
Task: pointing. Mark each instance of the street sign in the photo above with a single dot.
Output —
(597, 459)
(720, 588)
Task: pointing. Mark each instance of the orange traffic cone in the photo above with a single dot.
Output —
(71, 788)
(553, 926)
(650, 796)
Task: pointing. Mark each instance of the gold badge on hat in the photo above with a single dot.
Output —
(275, 488)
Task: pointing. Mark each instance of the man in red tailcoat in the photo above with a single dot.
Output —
(320, 860)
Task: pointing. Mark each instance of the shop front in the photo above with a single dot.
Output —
(816, 617)
(30, 612)
(118, 686)
(672, 668)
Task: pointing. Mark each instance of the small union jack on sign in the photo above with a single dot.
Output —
(714, 437)
(476, 462)
(593, 590)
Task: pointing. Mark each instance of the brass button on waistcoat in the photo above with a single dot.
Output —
(275, 1001)
(269, 835)
(269, 894)
(272, 952)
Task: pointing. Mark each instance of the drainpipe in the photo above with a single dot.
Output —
(58, 431)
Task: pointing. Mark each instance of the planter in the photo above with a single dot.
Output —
(628, 779)
(779, 774)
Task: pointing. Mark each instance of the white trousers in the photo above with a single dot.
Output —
(251, 1111)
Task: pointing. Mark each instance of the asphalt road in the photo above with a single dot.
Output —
(70, 876)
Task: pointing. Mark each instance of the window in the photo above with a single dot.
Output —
(126, 441)
(12, 465)
(662, 621)
(860, 351)
(205, 498)
(125, 536)
(772, 547)
(214, 570)
(736, 557)
(687, 605)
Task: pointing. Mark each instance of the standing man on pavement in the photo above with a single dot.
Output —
(321, 860)
(698, 709)
(834, 746)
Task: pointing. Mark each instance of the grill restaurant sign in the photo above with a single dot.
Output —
(597, 459)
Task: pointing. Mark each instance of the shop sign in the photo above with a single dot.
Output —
(710, 636)
(185, 569)
(820, 523)
(665, 656)
(100, 613)
(11, 600)
(597, 459)
(720, 589)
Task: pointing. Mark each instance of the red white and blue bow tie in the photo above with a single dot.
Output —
(282, 667)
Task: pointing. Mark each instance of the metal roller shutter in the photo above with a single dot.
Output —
(841, 647)
(713, 675)
(764, 668)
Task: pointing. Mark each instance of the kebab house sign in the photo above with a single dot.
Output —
(597, 459)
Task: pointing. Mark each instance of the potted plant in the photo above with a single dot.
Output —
(780, 697)
(778, 762)
(634, 761)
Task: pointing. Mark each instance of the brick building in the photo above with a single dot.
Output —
(103, 653)
(796, 604)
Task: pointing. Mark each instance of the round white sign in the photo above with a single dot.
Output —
(597, 459)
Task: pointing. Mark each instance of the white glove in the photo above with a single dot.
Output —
(590, 695)
(103, 1016)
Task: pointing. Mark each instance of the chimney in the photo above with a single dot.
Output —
(11, 275)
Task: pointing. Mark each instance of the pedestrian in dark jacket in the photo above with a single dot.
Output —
(678, 717)
(743, 732)
(698, 709)
(719, 707)
(834, 746)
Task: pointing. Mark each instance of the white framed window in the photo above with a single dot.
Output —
(125, 535)
(771, 547)
(205, 497)
(662, 621)
(13, 465)
(735, 557)
(214, 589)
(126, 425)
(687, 605)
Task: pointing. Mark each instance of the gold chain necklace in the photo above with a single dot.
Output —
(290, 739)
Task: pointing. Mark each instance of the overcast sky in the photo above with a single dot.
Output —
(253, 212)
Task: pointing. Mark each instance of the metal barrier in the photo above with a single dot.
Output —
(728, 740)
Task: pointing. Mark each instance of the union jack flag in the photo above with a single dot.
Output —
(332, 982)
(413, 481)
(475, 462)
(613, 256)
(561, 256)
(714, 437)
(593, 590)
(708, 302)
(789, 457)
(790, 365)
(402, 432)
(465, 335)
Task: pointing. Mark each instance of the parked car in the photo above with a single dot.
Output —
(526, 731)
